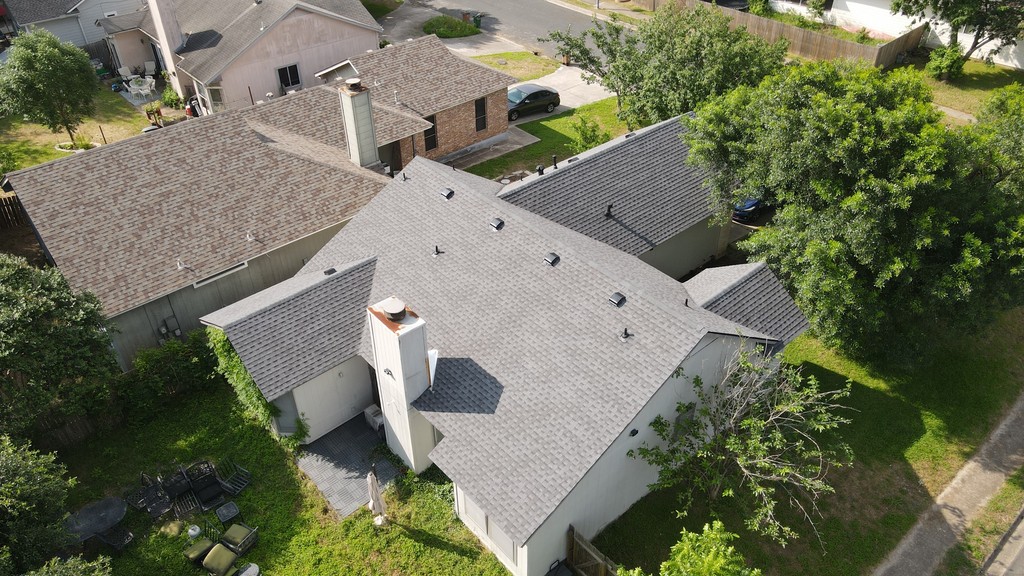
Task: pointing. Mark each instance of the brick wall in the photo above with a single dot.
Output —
(456, 128)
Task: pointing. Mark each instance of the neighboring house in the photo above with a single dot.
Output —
(241, 52)
(72, 21)
(171, 225)
(466, 102)
(635, 193)
(522, 358)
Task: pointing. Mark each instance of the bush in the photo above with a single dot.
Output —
(761, 8)
(946, 63)
(230, 365)
(588, 134)
(448, 27)
(816, 8)
(171, 99)
(74, 566)
(163, 372)
(82, 142)
(863, 36)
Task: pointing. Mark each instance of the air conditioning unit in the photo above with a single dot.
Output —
(375, 419)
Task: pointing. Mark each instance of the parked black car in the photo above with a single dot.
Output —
(528, 98)
(748, 210)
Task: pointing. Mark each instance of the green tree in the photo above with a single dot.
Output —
(50, 81)
(889, 225)
(55, 354)
(706, 554)
(588, 134)
(33, 490)
(761, 433)
(673, 62)
(994, 23)
(74, 566)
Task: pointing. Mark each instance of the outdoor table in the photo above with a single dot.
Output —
(227, 512)
(96, 517)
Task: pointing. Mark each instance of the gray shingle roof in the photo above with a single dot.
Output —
(29, 11)
(516, 335)
(315, 322)
(116, 219)
(749, 294)
(139, 19)
(428, 76)
(654, 193)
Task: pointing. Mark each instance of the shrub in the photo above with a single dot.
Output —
(82, 142)
(171, 99)
(165, 371)
(816, 8)
(762, 8)
(448, 27)
(863, 36)
(946, 63)
(588, 134)
(230, 365)
(74, 566)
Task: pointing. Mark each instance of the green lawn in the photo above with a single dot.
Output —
(968, 92)
(34, 144)
(449, 27)
(984, 533)
(380, 8)
(523, 65)
(299, 532)
(555, 133)
(911, 433)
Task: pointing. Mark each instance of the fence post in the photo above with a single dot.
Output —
(570, 544)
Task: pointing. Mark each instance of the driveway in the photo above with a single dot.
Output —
(573, 91)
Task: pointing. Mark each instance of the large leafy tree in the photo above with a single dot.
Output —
(889, 224)
(760, 434)
(994, 23)
(55, 354)
(672, 62)
(706, 554)
(33, 491)
(50, 81)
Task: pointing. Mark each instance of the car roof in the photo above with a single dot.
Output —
(531, 87)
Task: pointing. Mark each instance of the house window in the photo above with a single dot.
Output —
(289, 77)
(430, 134)
(481, 114)
(216, 98)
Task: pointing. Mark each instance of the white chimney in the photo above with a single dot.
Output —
(168, 31)
(403, 368)
(358, 114)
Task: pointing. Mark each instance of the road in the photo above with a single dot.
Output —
(522, 21)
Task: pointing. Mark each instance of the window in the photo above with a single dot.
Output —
(481, 114)
(430, 134)
(289, 77)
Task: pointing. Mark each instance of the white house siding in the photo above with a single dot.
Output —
(514, 557)
(67, 29)
(616, 481)
(132, 49)
(312, 41)
(334, 397)
(92, 10)
(688, 250)
(139, 327)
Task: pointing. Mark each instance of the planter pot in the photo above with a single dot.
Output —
(73, 150)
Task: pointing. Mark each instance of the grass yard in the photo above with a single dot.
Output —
(299, 532)
(34, 144)
(911, 433)
(555, 133)
(449, 27)
(968, 92)
(380, 8)
(523, 65)
(984, 533)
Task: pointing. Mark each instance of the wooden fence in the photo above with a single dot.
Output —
(808, 43)
(11, 212)
(585, 559)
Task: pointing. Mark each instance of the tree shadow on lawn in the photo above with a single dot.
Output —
(876, 501)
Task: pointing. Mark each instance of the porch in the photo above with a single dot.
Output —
(339, 461)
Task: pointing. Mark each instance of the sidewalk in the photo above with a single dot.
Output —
(937, 530)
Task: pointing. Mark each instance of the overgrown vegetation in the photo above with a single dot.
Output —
(707, 553)
(74, 566)
(380, 8)
(230, 365)
(165, 372)
(801, 21)
(946, 63)
(448, 27)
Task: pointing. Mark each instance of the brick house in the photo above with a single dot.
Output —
(465, 101)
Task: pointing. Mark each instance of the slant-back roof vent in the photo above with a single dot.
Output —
(497, 223)
(618, 299)
(447, 193)
(631, 134)
(329, 271)
(552, 259)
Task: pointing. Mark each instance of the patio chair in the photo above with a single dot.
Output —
(126, 74)
(204, 482)
(150, 67)
(220, 561)
(240, 538)
(197, 550)
(146, 91)
(117, 537)
(233, 478)
(134, 92)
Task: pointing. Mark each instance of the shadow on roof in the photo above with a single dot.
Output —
(461, 386)
(199, 40)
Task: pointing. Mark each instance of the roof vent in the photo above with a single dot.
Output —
(608, 212)
(447, 193)
(354, 84)
(393, 308)
(329, 271)
(571, 160)
(552, 259)
(617, 299)
(554, 162)
(540, 170)
(631, 134)
(625, 335)
(497, 223)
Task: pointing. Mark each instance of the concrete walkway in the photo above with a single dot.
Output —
(956, 113)
(1008, 557)
(937, 530)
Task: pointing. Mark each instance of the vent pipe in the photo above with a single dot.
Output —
(608, 212)
(540, 170)
(552, 259)
(393, 308)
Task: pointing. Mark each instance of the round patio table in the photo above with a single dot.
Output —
(96, 517)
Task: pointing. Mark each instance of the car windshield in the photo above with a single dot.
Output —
(515, 95)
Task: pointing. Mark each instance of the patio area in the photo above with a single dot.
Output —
(339, 461)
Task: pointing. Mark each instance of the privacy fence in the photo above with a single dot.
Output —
(808, 43)
(11, 212)
(584, 558)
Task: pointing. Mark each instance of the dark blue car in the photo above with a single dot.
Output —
(748, 210)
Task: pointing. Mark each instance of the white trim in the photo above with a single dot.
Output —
(335, 67)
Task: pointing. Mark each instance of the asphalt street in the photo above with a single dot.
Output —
(522, 21)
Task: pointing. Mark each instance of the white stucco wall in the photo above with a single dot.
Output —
(616, 481)
(687, 250)
(310, 40)
(131, 49)
(334, 397)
